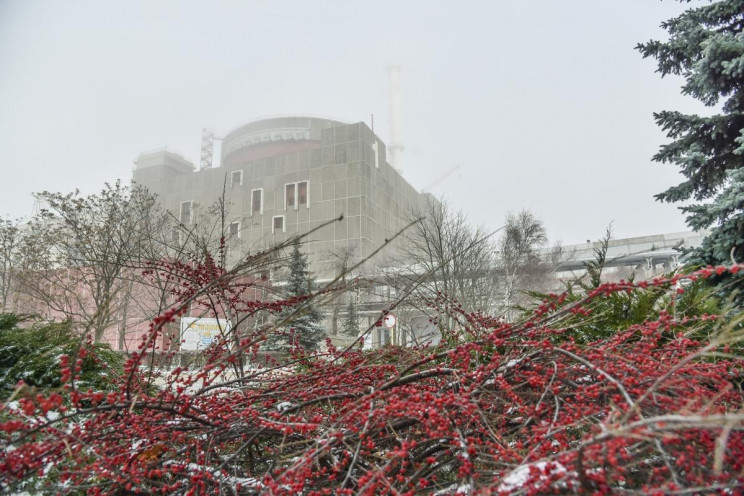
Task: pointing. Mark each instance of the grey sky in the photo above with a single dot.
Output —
(544, 104)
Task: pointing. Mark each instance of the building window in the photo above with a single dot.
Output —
(257, 201)
(384, 336)
(289, 195)
(302, 193)
(234, 230)
(278, 225)
(236, 178)
(185, 215)
(296, 194)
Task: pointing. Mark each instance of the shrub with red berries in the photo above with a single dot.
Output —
(542, 406)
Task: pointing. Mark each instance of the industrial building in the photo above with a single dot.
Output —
(642, 256)
(288, 175)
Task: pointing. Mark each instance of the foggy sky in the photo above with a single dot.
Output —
(545, 105)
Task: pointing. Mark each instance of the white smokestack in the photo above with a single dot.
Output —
(396, 147)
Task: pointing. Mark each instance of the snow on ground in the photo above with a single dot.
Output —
(520, 475)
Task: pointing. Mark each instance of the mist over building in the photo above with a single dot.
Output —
(286, 176)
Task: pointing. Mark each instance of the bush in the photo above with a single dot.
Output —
(34, 354)
(642, 409)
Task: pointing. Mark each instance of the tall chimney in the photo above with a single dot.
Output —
(396, 147)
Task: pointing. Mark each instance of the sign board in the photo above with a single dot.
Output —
(281, 134)
(198, 333)
(389, 320)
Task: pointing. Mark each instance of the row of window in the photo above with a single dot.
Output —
(277, 225)
(295, 194)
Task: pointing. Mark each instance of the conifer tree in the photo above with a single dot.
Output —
(706, 48)
(351, 322)
(306, 325)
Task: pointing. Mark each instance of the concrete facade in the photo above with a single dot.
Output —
(289, 175)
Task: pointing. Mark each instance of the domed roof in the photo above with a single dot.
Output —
(274, 136)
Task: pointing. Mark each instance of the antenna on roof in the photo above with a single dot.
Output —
(207, 149)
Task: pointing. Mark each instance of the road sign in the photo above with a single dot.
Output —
(389, 320)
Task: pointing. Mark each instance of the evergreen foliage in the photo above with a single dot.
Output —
(305, 327)
(33, 355)
(351, 322)
(620, 310)
(595, 267)
(706, 48)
